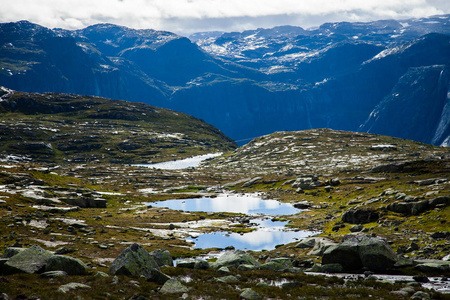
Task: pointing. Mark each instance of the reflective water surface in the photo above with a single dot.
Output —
(246, 204)
(268, 235)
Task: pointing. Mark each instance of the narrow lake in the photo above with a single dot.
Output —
(245, 204)
(191, 162)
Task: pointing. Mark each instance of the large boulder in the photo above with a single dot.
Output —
(31, 260)
(321, 244)
(356, 252)
(173, 286)
(134, 260)
(70, 265)
(162, 257)
(236, 258)
(360, 216)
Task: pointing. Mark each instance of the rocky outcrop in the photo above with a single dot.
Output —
(418, 207)
(162, 257)
(356, 252)
(135, 261)
(360, 216)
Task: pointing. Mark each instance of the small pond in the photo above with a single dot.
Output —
(245, 204)
(267, 235)
(191, 162)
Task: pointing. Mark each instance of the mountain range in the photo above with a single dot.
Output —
(388, 77)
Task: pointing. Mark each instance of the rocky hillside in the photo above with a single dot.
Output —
(346, 76)
(380, 205)
(58, 128)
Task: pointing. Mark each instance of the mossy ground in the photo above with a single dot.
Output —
(109, 230)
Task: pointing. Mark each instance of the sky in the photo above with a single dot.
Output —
(185, 17)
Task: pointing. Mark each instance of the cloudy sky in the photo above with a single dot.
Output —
(188, 16)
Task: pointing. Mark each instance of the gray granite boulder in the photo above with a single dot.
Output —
(30, 260)
(134, 260)
(173, 286)
(72, 286)
(249, 294)
(70, 265)
(236, 258)
(360, 216)
(162, 257)
(356, 252)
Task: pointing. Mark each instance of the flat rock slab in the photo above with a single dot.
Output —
(30, 260)
(72, 286)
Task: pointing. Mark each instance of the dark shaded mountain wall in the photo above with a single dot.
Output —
(414, 107)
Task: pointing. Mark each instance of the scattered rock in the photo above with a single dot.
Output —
(70, 265)
(307, 183)
(302, 204)
(421, 278)
(72, 286)
(360, 216)
(226, 279)
(249, 294)
(201, 264)
(173, 286)
(134, 260)
(321, 245)
(30, 260)
(420, 296)
(433, 266)
(251, 182)
(356, 228)
(355, 252)
(306, 243)
(223, 270)
(327, 268)
(158, 276)
(11, 251)
(235, 259)
(162, 257)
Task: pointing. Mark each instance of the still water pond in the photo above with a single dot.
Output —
(267, 235)
(245, 204)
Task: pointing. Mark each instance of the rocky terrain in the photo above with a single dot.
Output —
(386, 77)
(72, 228)
(60, 128)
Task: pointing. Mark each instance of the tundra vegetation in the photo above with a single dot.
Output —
(74, 222)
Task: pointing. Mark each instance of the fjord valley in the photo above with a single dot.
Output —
(85, 221)
(387, 77)
(97, 195)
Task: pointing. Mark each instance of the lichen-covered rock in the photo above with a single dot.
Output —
(162, 257)
(173, 286)
(360, 216)
(72, 286)
(30, 260)
(11, 251)
(355, 252)
(227, 279)
(321, 245)
(201, 264)
(235, 259)
(249, 294)
(70, 265)
(134, 260)
(277, 264)
(158, 276)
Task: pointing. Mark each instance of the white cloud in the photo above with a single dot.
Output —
(186, 16)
